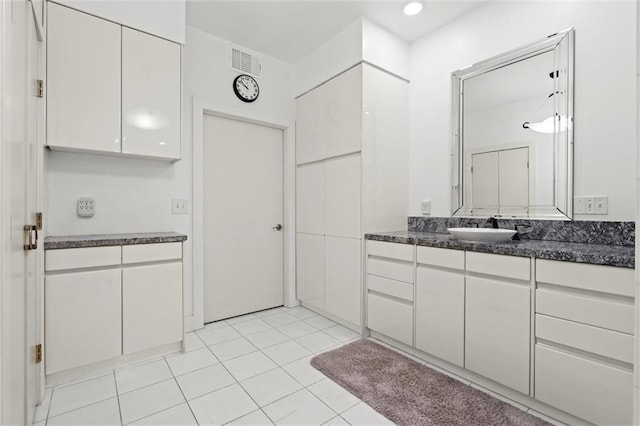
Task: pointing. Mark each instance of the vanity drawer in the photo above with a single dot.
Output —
(600, 312)
(445, 258)
(151, 252)
(390, 250)
(605, 279)
(398, 270)
(594, 391)
(391, 317)
(85, 257)
(390, 287)
(596, 340)
(518, 268)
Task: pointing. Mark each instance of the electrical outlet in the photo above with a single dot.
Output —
(426, 207)
(86, 207)
(578, 205)
(180, 206)
(589, 205)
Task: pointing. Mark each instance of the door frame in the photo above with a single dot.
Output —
(287, 125)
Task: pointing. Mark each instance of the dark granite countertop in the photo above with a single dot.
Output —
(597, 254)
(99, 240)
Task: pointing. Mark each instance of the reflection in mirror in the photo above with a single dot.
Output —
(512, 154)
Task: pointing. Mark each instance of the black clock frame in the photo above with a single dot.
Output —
(238, 95)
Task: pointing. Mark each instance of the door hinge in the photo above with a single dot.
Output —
(39, 353)
(38, 221)
(40, 88)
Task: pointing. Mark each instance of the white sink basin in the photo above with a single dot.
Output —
(484, 235)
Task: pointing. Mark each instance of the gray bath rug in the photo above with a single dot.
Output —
(408, 393)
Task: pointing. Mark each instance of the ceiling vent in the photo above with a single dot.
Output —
(245, 61)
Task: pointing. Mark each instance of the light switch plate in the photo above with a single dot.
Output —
(591, 204)
(86, 207)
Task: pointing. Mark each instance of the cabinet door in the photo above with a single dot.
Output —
(151, 99)
(151, 306)
(310, 199)
(343, 197)
(82, 319)
(310, 131)
(310, 269)
(342, 274)
(497, 331)
(83, 81)
(440, 314)
(343, 113)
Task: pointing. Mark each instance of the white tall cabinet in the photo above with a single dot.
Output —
(352, 153)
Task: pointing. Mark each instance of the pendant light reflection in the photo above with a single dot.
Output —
(548, 125)
(413, 8)
(146, 119)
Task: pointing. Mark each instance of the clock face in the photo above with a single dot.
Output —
(246, 88)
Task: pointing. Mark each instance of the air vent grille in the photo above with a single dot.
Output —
(245, 62)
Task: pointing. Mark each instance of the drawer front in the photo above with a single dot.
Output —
(518, 268)
(76, 258)
(393, 269)
(444, 258)
(606, 279)
(151, 252)
(390, 250)
(596, 392)
(390, 287)
(390, 317)
(610, 314)
(606, 343)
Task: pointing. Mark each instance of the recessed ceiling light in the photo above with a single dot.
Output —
(413, 8)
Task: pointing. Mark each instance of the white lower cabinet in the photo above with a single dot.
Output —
(310, 269)
(82, 318)
(130, 301)
(151, 303)
(497, 331)
(342, 278)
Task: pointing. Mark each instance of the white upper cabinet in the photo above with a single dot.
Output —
(150, 95)
(310, 127)
(343, 114)
(83, 81)
(111, 89)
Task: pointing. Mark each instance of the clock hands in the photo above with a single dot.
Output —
(242, 82)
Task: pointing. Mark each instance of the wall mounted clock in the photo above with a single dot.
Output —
(246, 88)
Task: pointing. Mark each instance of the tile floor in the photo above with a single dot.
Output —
(249, 370)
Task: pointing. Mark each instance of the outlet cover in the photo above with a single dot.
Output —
(601, 205)
(180, 206)
(426, 207)
(86, 207)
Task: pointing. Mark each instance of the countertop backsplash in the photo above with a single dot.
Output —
(588, 232)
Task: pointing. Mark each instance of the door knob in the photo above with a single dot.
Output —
(278, 227)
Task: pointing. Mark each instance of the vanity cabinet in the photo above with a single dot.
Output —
(498, 318)
(584, 340)
(351, 147)
(111, 89)
(390, 291)
(440, 303)
(105, 302)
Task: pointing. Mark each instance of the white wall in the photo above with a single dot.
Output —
(165, 19)
(361, 41)
(134, 195)
(605, 93)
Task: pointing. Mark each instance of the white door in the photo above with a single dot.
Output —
(20, 152)
(513, 165)
(243, 216)
(485, 180)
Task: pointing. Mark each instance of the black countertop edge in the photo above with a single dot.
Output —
(54, 242)
(595, 254)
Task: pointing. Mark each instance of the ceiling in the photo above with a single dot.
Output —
(291, 30)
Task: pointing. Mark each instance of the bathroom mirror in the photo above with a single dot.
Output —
(512, 152)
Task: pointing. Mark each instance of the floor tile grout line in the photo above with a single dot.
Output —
(154, 413)
(80, 408)
(118, 396)
(186, 401)
(79, 381)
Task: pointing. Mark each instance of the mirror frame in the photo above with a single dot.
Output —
(562, 44)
